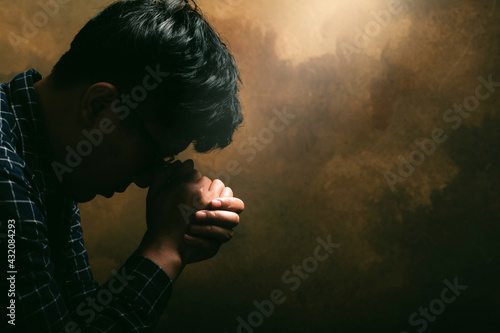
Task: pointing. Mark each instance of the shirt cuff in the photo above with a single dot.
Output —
(149, 286)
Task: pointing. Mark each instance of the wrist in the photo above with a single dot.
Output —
(169, 261)
(165, 255)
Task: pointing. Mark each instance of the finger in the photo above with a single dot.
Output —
(216, 187)
(219, 218)
(226, 192)
(213, 232)
(230, 204)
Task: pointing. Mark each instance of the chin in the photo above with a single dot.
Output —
(77, 192)
(84, 197)
(108, 195)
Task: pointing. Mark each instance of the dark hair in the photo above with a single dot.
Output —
(199, 98)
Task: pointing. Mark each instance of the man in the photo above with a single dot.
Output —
(141, 81)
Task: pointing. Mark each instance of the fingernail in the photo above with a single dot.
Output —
(216, 203)
(201, 215)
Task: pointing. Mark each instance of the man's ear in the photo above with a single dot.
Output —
(97, 98)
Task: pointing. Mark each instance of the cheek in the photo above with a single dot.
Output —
(126, 154)
(115, 165)
(123, 152)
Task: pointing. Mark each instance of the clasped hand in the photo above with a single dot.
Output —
(189, 216)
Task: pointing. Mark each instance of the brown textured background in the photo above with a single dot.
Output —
(324, 174)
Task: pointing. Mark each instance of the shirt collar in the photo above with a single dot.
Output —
(32, 143)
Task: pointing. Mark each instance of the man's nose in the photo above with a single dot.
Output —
(168, 172)
(146, 178)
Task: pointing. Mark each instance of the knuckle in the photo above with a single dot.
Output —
(205, 201)
(218, 182)
(200, 199)
(225, 203)
(198, 192)
(205, 180)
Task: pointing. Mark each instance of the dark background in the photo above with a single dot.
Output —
(324, 174)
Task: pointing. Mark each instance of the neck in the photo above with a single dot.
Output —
(59, 108)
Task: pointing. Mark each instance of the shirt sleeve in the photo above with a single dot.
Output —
(131, 301)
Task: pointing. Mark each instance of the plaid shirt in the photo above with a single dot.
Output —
(55, 290)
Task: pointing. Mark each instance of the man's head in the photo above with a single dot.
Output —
(159, 73)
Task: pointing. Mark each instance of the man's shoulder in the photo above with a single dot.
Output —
(7, 116)
(8, 154)
(15, 100)
(6, 112)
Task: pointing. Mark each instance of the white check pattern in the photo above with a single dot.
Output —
(55, 288)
